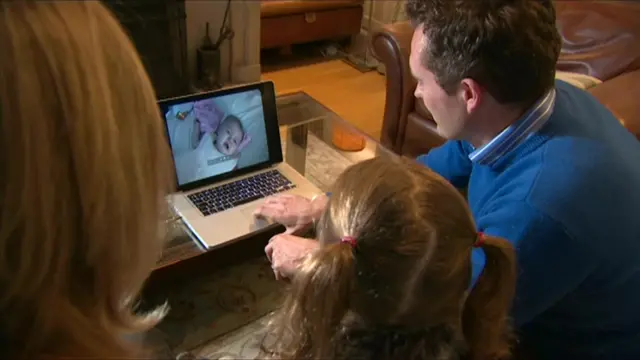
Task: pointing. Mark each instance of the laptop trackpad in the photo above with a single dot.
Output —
(256, 223)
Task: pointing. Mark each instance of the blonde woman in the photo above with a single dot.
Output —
(84, 171)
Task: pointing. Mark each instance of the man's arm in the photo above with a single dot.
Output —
(550, 262)
(451, 161)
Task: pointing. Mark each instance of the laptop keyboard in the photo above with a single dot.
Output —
(240, 192)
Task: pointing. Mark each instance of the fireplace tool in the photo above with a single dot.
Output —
(208, 56)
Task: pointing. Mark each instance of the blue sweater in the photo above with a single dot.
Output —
(568, 198)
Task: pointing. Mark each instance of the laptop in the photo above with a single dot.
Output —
(227, 157)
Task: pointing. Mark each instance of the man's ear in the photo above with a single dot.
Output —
(471, 94)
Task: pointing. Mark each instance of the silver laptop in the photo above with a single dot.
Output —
(227, 157)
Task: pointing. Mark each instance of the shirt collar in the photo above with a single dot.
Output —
(516, 133)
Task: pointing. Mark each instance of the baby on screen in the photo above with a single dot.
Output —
(229, 136)
(205, 140)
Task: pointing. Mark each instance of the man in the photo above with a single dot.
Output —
(545, 165)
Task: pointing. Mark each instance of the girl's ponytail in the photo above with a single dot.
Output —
(486, 310)
(316, 304)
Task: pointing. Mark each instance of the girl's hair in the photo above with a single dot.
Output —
(401, 291)
(85, 171)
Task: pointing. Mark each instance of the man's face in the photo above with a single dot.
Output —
(447, 110)
(229, 136)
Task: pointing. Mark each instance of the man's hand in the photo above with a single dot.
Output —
(286, 253)
(295, 212)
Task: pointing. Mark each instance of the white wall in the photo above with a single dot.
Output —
(384, 12)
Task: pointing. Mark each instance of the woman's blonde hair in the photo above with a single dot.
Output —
(85, 169)
(401, 291)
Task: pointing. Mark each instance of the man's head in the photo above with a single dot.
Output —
(471, 57)
(229, 135)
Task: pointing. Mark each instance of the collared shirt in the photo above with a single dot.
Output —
(516, 133)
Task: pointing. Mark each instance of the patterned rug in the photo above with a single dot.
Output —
(244, 343)
(225, 313)
(323, 163)
(212, 305)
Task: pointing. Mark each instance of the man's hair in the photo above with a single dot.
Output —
(510, 47)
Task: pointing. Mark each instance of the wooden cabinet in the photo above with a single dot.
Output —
(291, 22)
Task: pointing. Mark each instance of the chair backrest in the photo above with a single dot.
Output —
(600, 38)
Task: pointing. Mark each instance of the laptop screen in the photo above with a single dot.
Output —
(216, 134)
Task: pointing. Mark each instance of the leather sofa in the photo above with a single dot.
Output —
(600, 39)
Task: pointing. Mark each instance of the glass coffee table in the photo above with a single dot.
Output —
(220, 300)
(315, 141)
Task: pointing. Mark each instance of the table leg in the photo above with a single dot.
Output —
(296, 153)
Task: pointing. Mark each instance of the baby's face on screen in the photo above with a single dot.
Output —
(229, 135)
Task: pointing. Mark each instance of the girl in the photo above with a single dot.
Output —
(391, 277)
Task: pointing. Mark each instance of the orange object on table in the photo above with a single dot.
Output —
(347, 139)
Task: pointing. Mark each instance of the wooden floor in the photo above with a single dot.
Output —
(356, 97)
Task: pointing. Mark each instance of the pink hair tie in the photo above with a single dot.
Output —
(349, 240)
(479, 240)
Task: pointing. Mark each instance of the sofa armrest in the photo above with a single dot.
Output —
(391, 45)
(620, 95)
